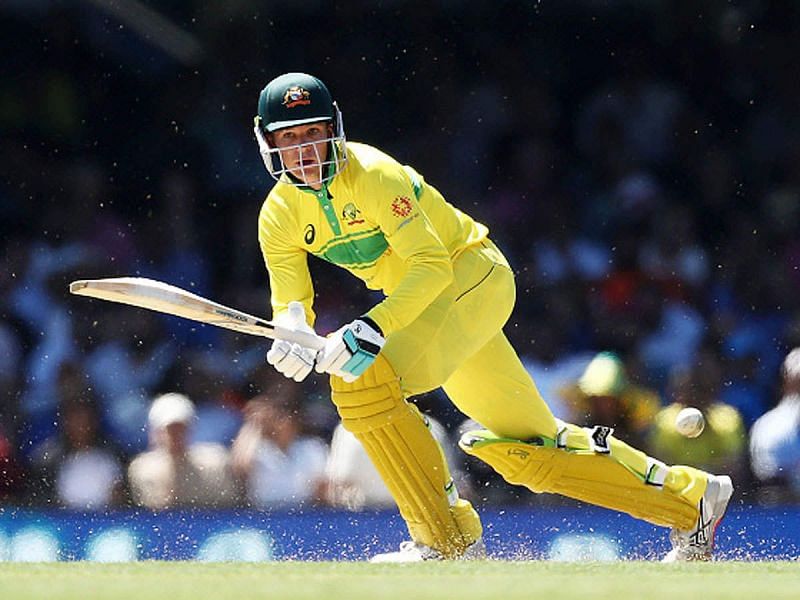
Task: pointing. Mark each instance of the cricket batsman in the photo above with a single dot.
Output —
(448, 293)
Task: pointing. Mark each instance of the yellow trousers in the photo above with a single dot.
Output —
(458, 344)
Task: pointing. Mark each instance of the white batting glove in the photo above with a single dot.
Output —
(350, 350)
(292, 360)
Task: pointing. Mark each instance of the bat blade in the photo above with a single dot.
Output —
(169, 299)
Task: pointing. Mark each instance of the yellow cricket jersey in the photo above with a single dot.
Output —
(379, 220)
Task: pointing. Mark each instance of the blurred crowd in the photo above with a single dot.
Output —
(638, 162)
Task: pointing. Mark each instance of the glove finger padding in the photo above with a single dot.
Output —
(302, 362)
(291, 359)
(278, 351)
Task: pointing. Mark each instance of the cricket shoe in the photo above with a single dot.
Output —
(697, 544)
(415, 552)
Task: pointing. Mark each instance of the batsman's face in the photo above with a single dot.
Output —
(303, 150)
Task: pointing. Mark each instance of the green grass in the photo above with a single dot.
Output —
(356, 581)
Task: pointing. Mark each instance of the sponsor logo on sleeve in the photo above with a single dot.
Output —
(401, 206)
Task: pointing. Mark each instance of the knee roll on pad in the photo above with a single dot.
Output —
(370, 401)
(596, 477)
(408, 458)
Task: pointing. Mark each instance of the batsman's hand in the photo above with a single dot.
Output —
(350, 350)
(290, 359)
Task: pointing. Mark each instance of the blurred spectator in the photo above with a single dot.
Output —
(176, 473)
(11, 476)
(675, 340)
(206, 377)
(743, 390)
(647, 195)
(559, 253)
(674, 255)
(775, 438)
(625, 305)
(354, 483)
(603, 395)
(76, 466)
(722, 445)
(180, 262)
(633, 116)
(127, 363)
(10, 472)
(280, 465)
(89, 475)
(36, 300)
(10, 365)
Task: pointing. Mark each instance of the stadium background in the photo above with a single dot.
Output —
(638, 161)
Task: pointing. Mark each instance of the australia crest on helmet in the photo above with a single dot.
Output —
(296, 96)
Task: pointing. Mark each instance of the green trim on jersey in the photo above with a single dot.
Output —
(402, 241)
(416, 184)
(357, 250)
(328, 210)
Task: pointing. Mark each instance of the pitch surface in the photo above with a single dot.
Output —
(356, 581)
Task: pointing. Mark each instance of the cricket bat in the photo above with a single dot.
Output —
(165, 298)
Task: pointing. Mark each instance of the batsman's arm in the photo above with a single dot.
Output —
(414, 239)
(286, 262)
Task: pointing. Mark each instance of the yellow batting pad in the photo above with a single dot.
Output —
(408, 458)
(592, 475)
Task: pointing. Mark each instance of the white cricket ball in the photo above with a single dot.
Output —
(690, 422)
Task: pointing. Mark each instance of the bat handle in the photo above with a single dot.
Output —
(309, 340)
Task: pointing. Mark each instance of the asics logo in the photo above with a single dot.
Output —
(700, 536)
(600, 435)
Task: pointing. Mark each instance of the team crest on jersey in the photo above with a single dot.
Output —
(401, 206)
(296, 96)
(351, 214)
